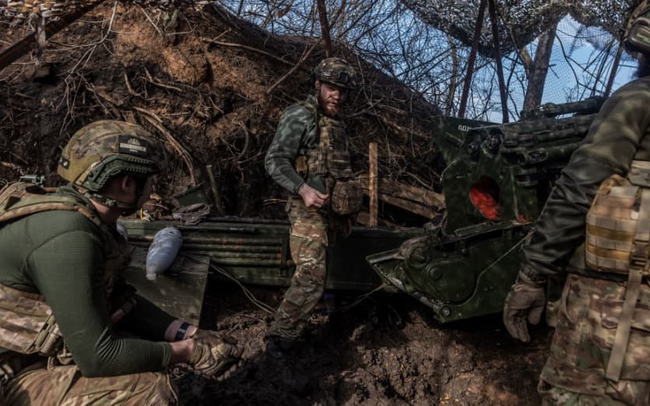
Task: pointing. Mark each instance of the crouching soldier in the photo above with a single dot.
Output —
(72, 331)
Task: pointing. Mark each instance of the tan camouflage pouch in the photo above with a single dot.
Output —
(27, 325)
(617, 222)
(20, 199)
(347, 197)
(618, 241)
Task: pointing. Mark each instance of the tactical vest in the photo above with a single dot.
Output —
(27, 325)
(331, 161)
(618, 241)
(618, 223)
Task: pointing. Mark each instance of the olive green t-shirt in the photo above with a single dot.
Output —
(60, 255)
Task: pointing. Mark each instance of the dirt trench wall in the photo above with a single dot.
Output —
(212, 86)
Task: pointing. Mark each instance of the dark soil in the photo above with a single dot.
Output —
(387, 350)
(213, 87)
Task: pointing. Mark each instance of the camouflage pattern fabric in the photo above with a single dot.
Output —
(347, 196)
(27, 324)
(24, 316)
(332, 157)
(331, 161)
(618, 134)
(310, 147)
(45, 8)
(107, 148)
(336, 71)
(308, 242)
(297, 132)
(52, 9)
(19, 199)
(65, 386)
(587, 319)
(553, 396)
(589, 311)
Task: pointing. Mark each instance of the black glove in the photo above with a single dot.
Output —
(10, 365)
(526, 299)
(215, 357)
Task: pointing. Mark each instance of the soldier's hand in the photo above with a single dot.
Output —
(215, 357)
(311, 196)
(525, 301)
(10, 365)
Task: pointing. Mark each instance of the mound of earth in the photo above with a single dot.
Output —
(213, 87)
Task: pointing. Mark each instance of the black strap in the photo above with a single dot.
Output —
(180, 333)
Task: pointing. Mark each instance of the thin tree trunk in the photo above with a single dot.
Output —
(325, 27)
(502, 84)
(373, 185)
(472, 60)
(539, 69)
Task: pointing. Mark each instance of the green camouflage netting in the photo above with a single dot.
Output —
(520, 22)
(52, 9)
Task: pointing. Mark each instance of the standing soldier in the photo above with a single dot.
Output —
(71, 330)
(595, 227)
(309, 157)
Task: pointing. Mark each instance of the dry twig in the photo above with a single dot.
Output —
(246, 47)
(155, 121)
(304, 57)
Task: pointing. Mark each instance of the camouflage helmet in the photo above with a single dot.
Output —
(336, 71)
(104, 149)
(637, 31)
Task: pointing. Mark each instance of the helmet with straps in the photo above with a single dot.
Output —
(108, 148)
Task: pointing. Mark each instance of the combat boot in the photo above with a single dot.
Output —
(278, 347)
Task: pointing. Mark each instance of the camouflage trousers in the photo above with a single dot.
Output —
(41, 384)
(554, 396)
(587, 319)
(308, 242)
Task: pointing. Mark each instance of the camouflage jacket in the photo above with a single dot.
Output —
(296, 134)
(616, 137)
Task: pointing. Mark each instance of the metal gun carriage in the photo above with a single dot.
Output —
(495, 183)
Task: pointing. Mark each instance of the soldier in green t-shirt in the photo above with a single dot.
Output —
(71, 329)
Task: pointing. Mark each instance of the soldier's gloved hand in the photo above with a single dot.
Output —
(525, 300)
(10, 365)
(215, 357)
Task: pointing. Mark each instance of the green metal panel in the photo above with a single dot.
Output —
(257, 251)
(179, 291)
(465, 265)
